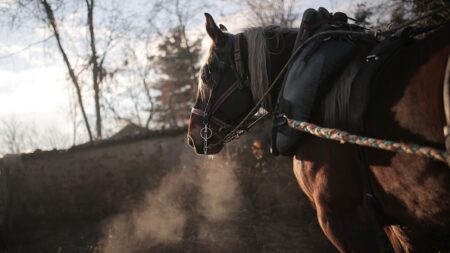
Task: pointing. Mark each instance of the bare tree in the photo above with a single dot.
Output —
(73, 115)
(51, 137)
(140, 78)
(393, 12)
(271, 12)
(121, 93)
(362, 14)
(20, 136)
(136, 78)
(11, 136)
(16, 136)
(91, 61)
(51, 21)
(96, 66)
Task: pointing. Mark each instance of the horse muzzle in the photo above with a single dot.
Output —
(199, 148)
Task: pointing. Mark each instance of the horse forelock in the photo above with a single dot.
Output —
(203, 89)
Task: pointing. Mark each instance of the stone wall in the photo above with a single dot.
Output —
(85, 183)
(89, 198)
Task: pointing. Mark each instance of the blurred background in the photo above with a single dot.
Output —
(94, 102)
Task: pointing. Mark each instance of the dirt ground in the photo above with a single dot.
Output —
(262, 234)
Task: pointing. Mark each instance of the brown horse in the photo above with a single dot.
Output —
(406, 105)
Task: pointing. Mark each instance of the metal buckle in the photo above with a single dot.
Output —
(206, 134)
(372, 57)
(280, 120)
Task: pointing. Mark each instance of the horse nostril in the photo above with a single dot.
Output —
(190, 141)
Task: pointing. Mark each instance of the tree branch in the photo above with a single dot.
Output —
(95, 66)
(52, 23)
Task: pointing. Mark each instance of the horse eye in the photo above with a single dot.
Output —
(206, 77)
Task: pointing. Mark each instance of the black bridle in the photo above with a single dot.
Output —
(241, 82)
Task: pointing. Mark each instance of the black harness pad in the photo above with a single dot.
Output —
(317, 65)
(306, 76)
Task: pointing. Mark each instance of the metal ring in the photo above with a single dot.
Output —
(206, 133)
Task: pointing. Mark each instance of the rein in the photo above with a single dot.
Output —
(345, 137)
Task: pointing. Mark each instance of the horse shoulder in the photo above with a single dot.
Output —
(407, 106)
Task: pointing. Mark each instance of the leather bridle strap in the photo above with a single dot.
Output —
(236, 85)
(214, 119)
(216, 106)
(238, 59)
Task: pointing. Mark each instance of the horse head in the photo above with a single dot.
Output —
(223, 97)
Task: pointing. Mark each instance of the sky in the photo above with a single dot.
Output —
(34, 85)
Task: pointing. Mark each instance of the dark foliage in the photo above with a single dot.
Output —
(178, 66)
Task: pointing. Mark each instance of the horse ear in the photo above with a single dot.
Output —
(217, 35)
(223, 28)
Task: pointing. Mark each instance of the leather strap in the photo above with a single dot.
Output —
(224, 96)
(238, 59)
(216, 120)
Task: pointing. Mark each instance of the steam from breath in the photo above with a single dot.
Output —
(189, 204)
(218, 204)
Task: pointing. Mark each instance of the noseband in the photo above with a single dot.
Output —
(207, 114)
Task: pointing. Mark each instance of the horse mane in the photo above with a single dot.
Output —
(259, 58)
(335, 104)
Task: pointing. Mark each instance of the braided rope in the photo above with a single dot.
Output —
(343, 137)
